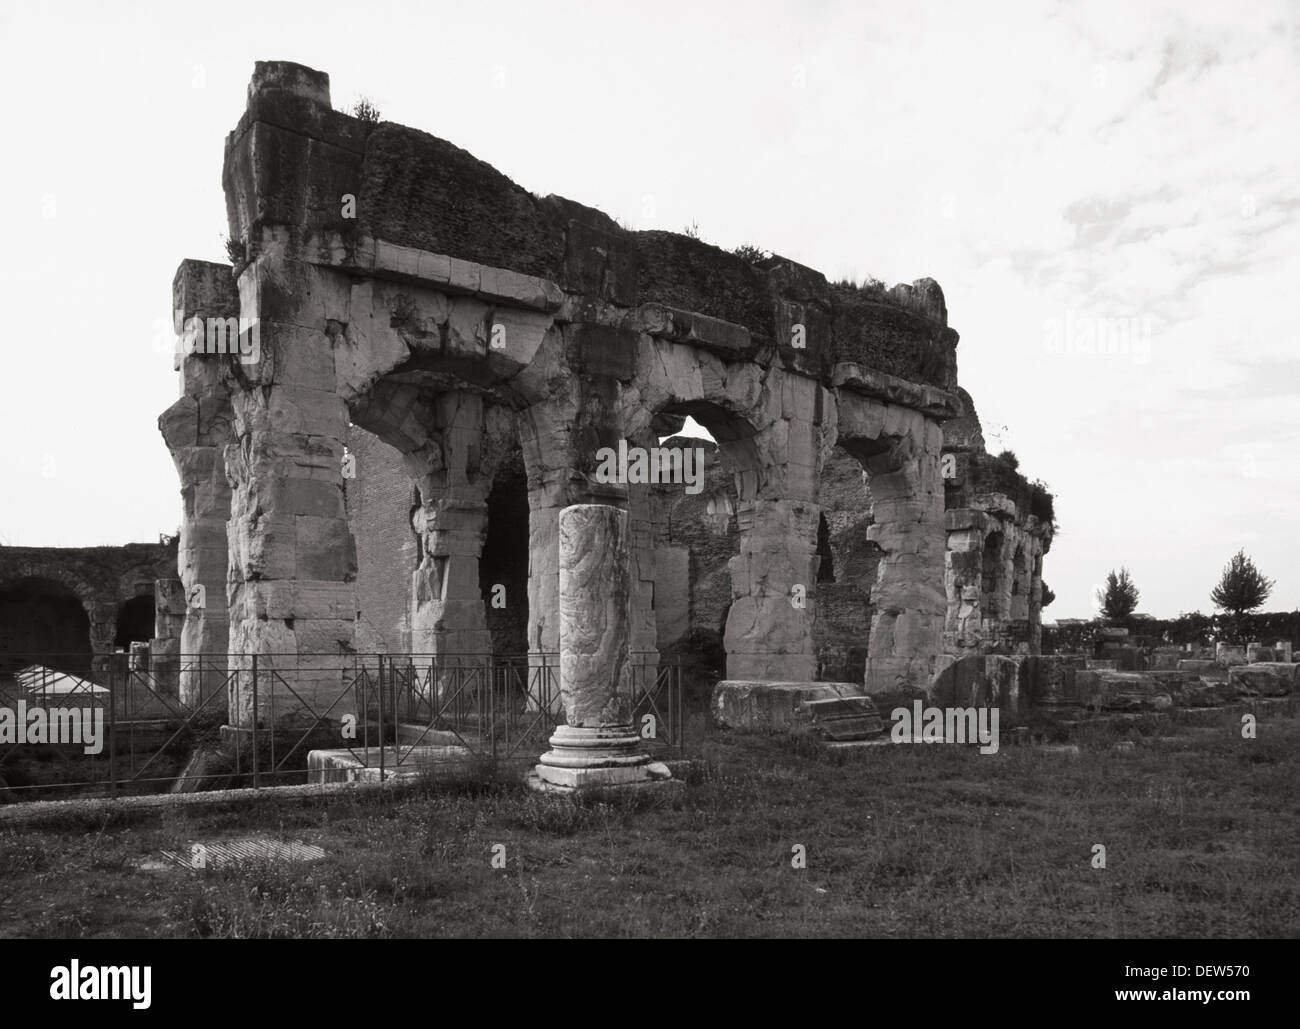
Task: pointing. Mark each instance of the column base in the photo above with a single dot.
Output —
(596, 758)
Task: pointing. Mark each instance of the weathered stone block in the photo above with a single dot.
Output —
(1273, 679)
(1121, 691)
(982, 681)
(1190, 690)
(775, 705)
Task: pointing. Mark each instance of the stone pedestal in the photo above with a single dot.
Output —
(599, 747)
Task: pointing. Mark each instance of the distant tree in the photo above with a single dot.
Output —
(1119, 598)
(1048, 595)
(1241, 588)
(692, 230)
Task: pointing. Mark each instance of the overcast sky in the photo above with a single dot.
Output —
(1058, 168)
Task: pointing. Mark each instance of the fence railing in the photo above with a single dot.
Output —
(107, 725)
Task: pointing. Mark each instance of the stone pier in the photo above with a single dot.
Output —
(598, 745)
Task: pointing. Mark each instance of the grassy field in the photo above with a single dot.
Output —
(1201, 830)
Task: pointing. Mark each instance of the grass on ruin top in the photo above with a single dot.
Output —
(1200, 832)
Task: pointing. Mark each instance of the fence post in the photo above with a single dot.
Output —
(256, 779)
(383, 728)
(112, 734)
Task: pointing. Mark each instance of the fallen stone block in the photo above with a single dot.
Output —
(980, 680)
(836, 711)
(1229, 655)
(1050, 680)
(1187, 689)
(1265, 679)
(1121, 691)
(362, 764)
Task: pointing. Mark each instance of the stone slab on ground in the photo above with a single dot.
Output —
(414, 735)
(1190, 690)
(566, 782)
(1264, 679)
(231, 852)
(362, 764)
(835, 710)
(1121, 691)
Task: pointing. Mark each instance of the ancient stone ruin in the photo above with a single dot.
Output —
(423, 364)
(79, 604)
(428, 413)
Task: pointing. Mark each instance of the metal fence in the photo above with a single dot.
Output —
(107, 725)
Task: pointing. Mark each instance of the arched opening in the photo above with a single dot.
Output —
(135, 622)
(847, 571)
(697, 532)
(43, 622)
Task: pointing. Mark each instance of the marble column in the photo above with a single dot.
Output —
(599, 745)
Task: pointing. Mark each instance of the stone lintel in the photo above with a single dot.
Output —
(692, 327)
(453, 275)
(929, 400)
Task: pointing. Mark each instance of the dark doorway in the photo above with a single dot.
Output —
(135, 622)
(43, 622)
(503, 565)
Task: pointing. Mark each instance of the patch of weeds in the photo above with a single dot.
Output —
(265, 899)
(366, 111)
(236, 251)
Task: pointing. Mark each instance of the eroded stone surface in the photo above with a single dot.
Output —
(835, 710)
(1265, 679)
(1121, 691)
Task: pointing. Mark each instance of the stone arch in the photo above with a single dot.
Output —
(848, 566)
(45, 620)
(685, 534)
(899, 447)
(773, 569)
(452, 436)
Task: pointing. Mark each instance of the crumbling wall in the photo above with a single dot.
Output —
(999, 528)
(60, 605)
(404, 287)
